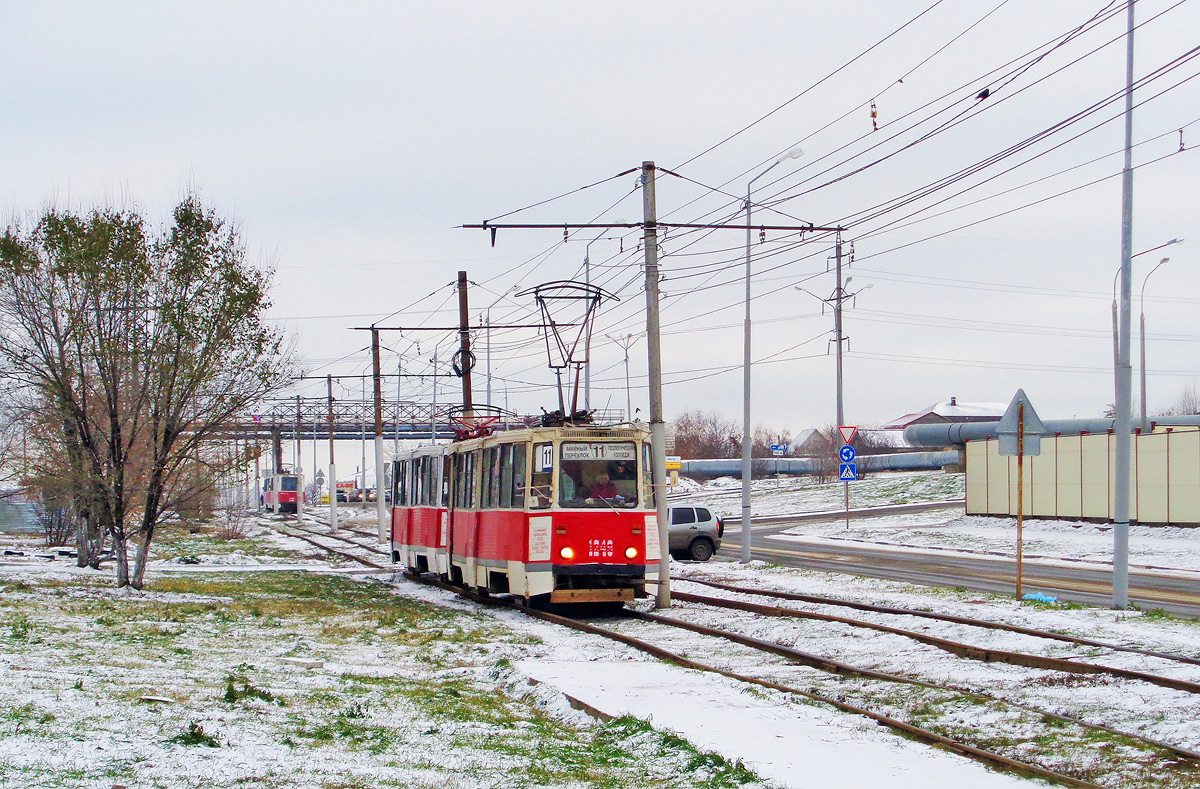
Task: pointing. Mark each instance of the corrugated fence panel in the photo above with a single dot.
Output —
(1184, 457)
(1094, 465)
(977, 478)
(1151, 478)
(1070, 476)
(1000, 491)
(1041, 486)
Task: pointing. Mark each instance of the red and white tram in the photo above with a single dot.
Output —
(281, 491)
(551, 514)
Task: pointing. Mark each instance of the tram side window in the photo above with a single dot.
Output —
(506, 476)
(473, 479)
(460, 482)
(520, 451)
(541, 488)
(447, 466)
(428, 482)
(398, 480)
(647, 478)
(493, 471)
(491, 479)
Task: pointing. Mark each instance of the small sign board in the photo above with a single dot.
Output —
(674, 463)
(847, 432)
(777, 450)
(847, 454)
(848, 472)
(1032, 427)
(598, 451)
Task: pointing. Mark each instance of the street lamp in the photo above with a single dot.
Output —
(488, 337)
(1142, 332)
(625, 342)
(1116, 331)
(747, 441)
(587, 280)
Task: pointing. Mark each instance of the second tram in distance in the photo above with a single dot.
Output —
(550, 514)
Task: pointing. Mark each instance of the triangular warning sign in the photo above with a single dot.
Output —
(847, 432)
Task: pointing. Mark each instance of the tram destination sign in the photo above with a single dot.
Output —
(579, 450)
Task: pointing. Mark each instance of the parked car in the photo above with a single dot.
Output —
(695, 533)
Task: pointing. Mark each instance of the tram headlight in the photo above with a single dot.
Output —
(567, 552)
(631, 553)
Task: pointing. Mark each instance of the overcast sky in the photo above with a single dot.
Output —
(349, 140)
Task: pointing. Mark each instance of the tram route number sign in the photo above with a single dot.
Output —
(597, 451)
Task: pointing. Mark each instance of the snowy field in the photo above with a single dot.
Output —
(257, 662)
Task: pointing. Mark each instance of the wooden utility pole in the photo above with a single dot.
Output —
(464, 344)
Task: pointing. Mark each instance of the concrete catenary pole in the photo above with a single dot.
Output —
(333, 513)
(658, 431)
(380, 509)
(1124, 373)
(299, 467)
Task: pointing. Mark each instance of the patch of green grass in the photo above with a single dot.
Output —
(195, 735)
(20, 628)
(233, 694)
(1055, 605)
(24, 719)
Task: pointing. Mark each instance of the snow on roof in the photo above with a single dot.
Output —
(952, 411)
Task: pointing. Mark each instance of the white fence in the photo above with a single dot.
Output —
(1073, 478)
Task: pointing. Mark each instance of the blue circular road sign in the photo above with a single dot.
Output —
(848, 454)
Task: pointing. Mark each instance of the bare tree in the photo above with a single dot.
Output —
(764, 438)
(12, 456)
(1187, 403)
(140, 347)
(706, 434)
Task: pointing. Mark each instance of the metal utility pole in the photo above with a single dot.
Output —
(333, 513)
(299, 467)
(380, 511)
(658, 431)
(1124, 373)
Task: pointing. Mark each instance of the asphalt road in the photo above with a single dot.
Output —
(1178, 593)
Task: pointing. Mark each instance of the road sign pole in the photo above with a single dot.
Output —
(848, 468)
(1020, 489)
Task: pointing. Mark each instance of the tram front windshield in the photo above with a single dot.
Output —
(598, 475)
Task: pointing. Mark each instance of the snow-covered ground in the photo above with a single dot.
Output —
(1149, 546)
(429, 690)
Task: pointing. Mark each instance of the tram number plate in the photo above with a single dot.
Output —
(600, 549)
(589, 451)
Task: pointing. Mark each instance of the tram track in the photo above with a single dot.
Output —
(1155, 751)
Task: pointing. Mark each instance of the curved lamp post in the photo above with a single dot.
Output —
(1142, 333)
(747, 439)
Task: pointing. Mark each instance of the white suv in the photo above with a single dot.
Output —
(695, 532)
